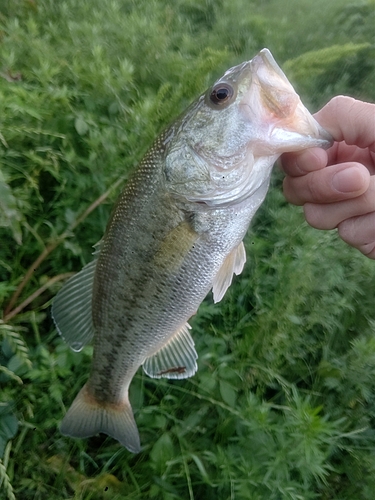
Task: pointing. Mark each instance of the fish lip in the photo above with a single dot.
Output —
(284, 138)
(314, 136)
(291, 126)
(326, 140)
(264, 57)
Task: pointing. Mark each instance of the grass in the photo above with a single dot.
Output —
(283, 403)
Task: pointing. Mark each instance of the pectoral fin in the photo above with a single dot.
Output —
(233, 263)
(177, 359)
(72, 310)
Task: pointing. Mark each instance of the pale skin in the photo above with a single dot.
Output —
(337, 187)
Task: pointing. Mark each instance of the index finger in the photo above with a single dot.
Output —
(303, 162)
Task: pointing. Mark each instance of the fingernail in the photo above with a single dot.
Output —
(348, 180)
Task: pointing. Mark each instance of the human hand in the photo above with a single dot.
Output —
(337, 187)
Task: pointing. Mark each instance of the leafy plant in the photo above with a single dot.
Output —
(282, 406)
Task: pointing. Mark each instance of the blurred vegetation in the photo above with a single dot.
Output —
(283, 405)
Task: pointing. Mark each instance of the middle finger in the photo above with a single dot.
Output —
(333, 183)
(329, 216)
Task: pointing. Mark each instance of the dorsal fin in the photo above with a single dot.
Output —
(177, 359)
(72, 309)
(233, 263)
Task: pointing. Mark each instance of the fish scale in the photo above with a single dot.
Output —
(176, 233)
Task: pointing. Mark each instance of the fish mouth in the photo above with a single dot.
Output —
(284, 122)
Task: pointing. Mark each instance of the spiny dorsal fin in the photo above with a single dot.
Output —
(177, 359)
(233, 263)
(72, 309)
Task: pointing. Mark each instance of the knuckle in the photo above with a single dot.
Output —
(314, 185)
(291, 191)
(316, 217)
(339, 102)
(347, 231)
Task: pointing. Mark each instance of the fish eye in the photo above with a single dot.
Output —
(221, 94)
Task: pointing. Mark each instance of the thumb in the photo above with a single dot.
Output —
(349, 120)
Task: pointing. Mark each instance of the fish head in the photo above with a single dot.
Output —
(223, 148)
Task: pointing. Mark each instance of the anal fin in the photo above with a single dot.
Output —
(233, 263)
(177, 359)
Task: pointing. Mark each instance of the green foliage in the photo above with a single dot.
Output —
(283, 404)
(337, 69)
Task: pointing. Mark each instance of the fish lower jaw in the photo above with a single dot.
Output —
(283, 141)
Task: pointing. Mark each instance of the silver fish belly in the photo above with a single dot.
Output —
(176, 233)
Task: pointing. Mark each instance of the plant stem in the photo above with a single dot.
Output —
(9, 311)
(36, 294)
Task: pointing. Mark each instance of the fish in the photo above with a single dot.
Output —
(176, 232)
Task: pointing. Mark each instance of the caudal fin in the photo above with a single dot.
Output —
(86, 418)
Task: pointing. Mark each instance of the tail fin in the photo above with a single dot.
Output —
(86, 417)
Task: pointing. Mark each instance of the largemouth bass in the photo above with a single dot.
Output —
(176, 233)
